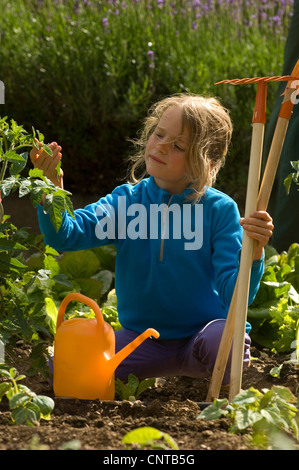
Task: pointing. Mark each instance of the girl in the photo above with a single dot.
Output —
(178, 239)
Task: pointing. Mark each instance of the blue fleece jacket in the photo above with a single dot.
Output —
(177, 262)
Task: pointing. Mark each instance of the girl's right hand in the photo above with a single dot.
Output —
(48, 163)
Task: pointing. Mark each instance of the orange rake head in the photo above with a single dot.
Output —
(244, 81)
(260, 103)
(259, 114)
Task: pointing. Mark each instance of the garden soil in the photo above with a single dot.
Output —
(172, 405)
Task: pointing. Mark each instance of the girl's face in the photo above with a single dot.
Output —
(165, 152)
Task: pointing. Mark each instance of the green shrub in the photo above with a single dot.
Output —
(86, 72)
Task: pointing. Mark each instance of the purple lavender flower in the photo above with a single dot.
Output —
(151, 58)
(276, 21)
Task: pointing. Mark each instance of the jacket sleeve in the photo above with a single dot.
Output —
(227, 244)
(95, 225)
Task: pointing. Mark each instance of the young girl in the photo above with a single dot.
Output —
(178, 239)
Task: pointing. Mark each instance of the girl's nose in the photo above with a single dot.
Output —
(162, 147)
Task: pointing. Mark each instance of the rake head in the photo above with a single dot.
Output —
(259, 114)
(243, 81)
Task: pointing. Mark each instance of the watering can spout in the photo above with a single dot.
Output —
(123, 353)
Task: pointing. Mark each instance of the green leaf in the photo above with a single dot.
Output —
(29, 415)
(142, 435)
(104, 277)
(18, 165)
(12, 156)
(6, 244)
(55, 207)
(18, 399)
(107, 256)
(146, 435)
(121, 389)
(284, 393)
(36, 173)
(144, 385)
(69, 206)
(51, 264)
(4, 388)
(215, 410)
(7, 185)
(287, 182)
(9, 263)
(52, 312)
(51, 251)
(275, 371)
(245, 418)
(90, 287)
(36, 196)
(133, 383)
(247, 396)
(79, 264)
(24, 188)
(45, 405)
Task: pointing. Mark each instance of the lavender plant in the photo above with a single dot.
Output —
(87, 71)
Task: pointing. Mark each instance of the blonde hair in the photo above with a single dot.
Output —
(210, 130)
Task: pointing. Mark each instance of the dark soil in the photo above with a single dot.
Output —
(172, 406)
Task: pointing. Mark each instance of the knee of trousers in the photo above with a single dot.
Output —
(207, 341)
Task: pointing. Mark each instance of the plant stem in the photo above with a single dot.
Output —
(4, 165)
(15, 386)
(297, 342)
(3, 170)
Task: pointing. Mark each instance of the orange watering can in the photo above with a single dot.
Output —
(84, 354)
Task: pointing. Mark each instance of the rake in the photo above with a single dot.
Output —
(256, 199)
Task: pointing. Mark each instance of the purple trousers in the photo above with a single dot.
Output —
(191, 357)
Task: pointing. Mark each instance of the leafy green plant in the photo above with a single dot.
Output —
(109, 311)
(35, 444)
(34, 279)
(274, 314)
(26, 407)
(149, 438)
(133, 388)
(93, 114)
(262, 414)
(24, 314)
(13, 139)
(292, 177)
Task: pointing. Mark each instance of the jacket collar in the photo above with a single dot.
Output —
(159, 195)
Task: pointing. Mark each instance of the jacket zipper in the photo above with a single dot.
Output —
(163, 230)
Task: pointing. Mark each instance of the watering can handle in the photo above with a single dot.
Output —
(81, 298)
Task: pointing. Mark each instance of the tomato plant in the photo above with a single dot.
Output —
(13, 139)
(34, 278)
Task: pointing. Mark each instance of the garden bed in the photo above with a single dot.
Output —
(172, 406)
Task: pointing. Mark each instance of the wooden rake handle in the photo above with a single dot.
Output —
(258, 125)
(241, 287)
(262, 203)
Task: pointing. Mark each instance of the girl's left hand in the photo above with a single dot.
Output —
(259, 226)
